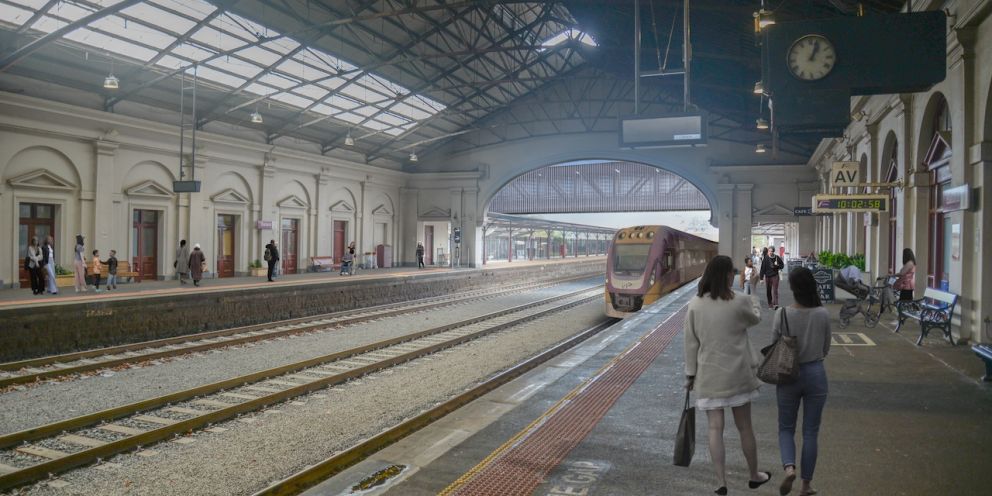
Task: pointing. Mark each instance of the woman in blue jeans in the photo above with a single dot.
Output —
(809, 322)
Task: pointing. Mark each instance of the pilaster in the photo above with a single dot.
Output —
(105, 232)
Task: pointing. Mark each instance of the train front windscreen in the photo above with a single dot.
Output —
(631, 258)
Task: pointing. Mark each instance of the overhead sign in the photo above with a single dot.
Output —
(850, 203)
(662, 131)
(262, 225)
(956, 198)
(844, 174)
(806, 211)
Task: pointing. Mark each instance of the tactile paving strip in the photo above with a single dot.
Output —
(523, 462)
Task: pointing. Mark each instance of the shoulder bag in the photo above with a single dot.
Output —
(781, 363)
(685, 438)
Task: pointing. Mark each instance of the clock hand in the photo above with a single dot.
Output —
(816, 48)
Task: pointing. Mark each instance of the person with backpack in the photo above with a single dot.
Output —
(271, 257)
(771, 264)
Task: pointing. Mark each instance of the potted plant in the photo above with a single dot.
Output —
(257, 269)
(63, 277)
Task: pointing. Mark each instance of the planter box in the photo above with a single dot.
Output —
(259, 272)
(65, 281)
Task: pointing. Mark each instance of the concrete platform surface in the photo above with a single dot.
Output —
(900, 420)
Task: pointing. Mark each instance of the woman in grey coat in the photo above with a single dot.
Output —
(182, 262)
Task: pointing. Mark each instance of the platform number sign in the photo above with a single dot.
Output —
(456, 235)
(844, 174)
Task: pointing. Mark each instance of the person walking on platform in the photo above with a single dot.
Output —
(97, 268)
(271, 257)
(182, 262)
(906, 282)
(347, 260)
(720, 364)
(420, 255)
(48, 261)
(79, 265)
(809, 322)
(196, 263)
(33, 265)
(112, 270)
(771, 264)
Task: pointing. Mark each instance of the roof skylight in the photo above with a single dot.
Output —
(569, 34)
(230, 54)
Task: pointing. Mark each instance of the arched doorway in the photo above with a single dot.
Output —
(938, 162)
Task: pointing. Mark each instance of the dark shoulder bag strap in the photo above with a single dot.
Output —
(785, 322)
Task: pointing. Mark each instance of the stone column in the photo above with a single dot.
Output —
(360, 217)
(267, 209)
(322, 215)
(406, 253)
(742, 221)
(106, 231)
(725, 207)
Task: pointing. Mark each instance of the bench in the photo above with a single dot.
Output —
(984, 351)
(123, 270)
(934, 310)
(323, 264)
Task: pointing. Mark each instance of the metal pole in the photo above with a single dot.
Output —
(686, 55)
(637, 57)
(182, 123)
(192, 165)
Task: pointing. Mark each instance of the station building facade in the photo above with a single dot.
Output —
(937, 146)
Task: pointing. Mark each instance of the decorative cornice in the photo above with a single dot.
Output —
(106, 148)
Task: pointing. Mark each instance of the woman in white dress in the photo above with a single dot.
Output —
(721, 365)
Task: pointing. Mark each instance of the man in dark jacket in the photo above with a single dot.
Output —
(272, 257)
(420, 255)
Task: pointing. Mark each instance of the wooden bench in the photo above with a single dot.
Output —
(123, 271)
(935, 309)
(323, 264)
(984, 351)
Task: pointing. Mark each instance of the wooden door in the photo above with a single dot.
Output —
(338, 248)
(289, 251)
(428, 245)
(36, 221)
(145, 243)
(225, 245)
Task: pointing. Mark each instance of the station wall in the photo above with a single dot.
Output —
(929, 143)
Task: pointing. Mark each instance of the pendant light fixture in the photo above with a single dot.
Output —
(760, 148)
(348, 140)
(761, 123)
(759, 88)
(256, 118)
(111, 82)
(413, 156)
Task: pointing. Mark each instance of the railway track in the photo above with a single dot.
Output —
(39, 452)
(51, 367)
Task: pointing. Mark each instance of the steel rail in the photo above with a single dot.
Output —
(314, 474)
(20, 476)
(251, 333)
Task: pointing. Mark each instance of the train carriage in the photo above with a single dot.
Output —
(647, 262)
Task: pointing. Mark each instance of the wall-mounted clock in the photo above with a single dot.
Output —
(811, 57)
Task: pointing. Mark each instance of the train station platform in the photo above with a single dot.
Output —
(601, 420)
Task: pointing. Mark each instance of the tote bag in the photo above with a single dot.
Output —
(685, 438)
(781, 363)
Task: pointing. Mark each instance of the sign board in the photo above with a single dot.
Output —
(185, 186)
(824, 283)
(956, 198)
(795, 263)
(844, 174)
(263, 224)
(661, 131)
(850, 203)
(806, 211)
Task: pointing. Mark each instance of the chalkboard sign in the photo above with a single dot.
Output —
(824, 283)
(793, 264)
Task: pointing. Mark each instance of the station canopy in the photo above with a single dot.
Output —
(385, 79)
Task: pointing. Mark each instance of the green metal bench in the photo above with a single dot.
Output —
(984, 351)
(934, 310)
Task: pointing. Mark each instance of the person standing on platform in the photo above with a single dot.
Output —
(182, 262)
(196, 263)
(906, 282)
(809, 322)
(420, 255)
(79, 264)
(33, 258)
(112, 271)
(771, 264)
(48, 260)
(749, 276)
(97, 268)
(271, 257)
(721, 365)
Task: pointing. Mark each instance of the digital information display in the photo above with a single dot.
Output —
(661, 131)
(850, 203)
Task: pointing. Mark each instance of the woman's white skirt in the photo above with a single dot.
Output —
(732, 401)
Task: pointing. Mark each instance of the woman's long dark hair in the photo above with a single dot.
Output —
(907, 255)
(716, 278)
(79, 239)
(804, 287)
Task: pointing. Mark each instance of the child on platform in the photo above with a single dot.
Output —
(97, 269)
(112, 271)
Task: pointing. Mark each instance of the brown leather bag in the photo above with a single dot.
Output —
(685, 438)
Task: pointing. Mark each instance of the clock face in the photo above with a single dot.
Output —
(811, 57)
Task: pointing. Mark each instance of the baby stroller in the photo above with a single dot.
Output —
(865, 296)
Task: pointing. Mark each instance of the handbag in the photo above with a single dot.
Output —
(27, 262)
(781, 363)
(685, 438)
(203, 266)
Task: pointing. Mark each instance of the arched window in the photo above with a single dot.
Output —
(937, 161)
(891, 176)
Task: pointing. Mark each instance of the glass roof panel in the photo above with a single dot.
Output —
(349, 117)
(260, 89)
(332, 83)
(100, 40)
(324, 61)
(69, 11)
(294, 68)
(133, 31)
(361, 94)
(367, 111)
(292, 99)
(216, 76)
(282, 45)
(277, 81)
(381, 86)
(34, 4)
(311, 91)
(392, 119)
(320, 108)
(424, 103)
(217, 39)
(378, 126)
(171, 62)
(160, 18)
(410, 112)
(259, 55)
(343, 102)
(15, 15)
(236, 66)
(47, 24)
(196, 9)
(394, 131)
(569, 34)
(239, 26)
(191, 52)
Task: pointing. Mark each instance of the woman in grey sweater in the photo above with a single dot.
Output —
(720, 363)
(809, 322)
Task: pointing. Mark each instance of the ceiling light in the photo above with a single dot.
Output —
(764, 18)
(348, 140)
(761, 123)
(413, 157)
(111, 82)
(760, 149)
(759, 88)
(256, 118)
